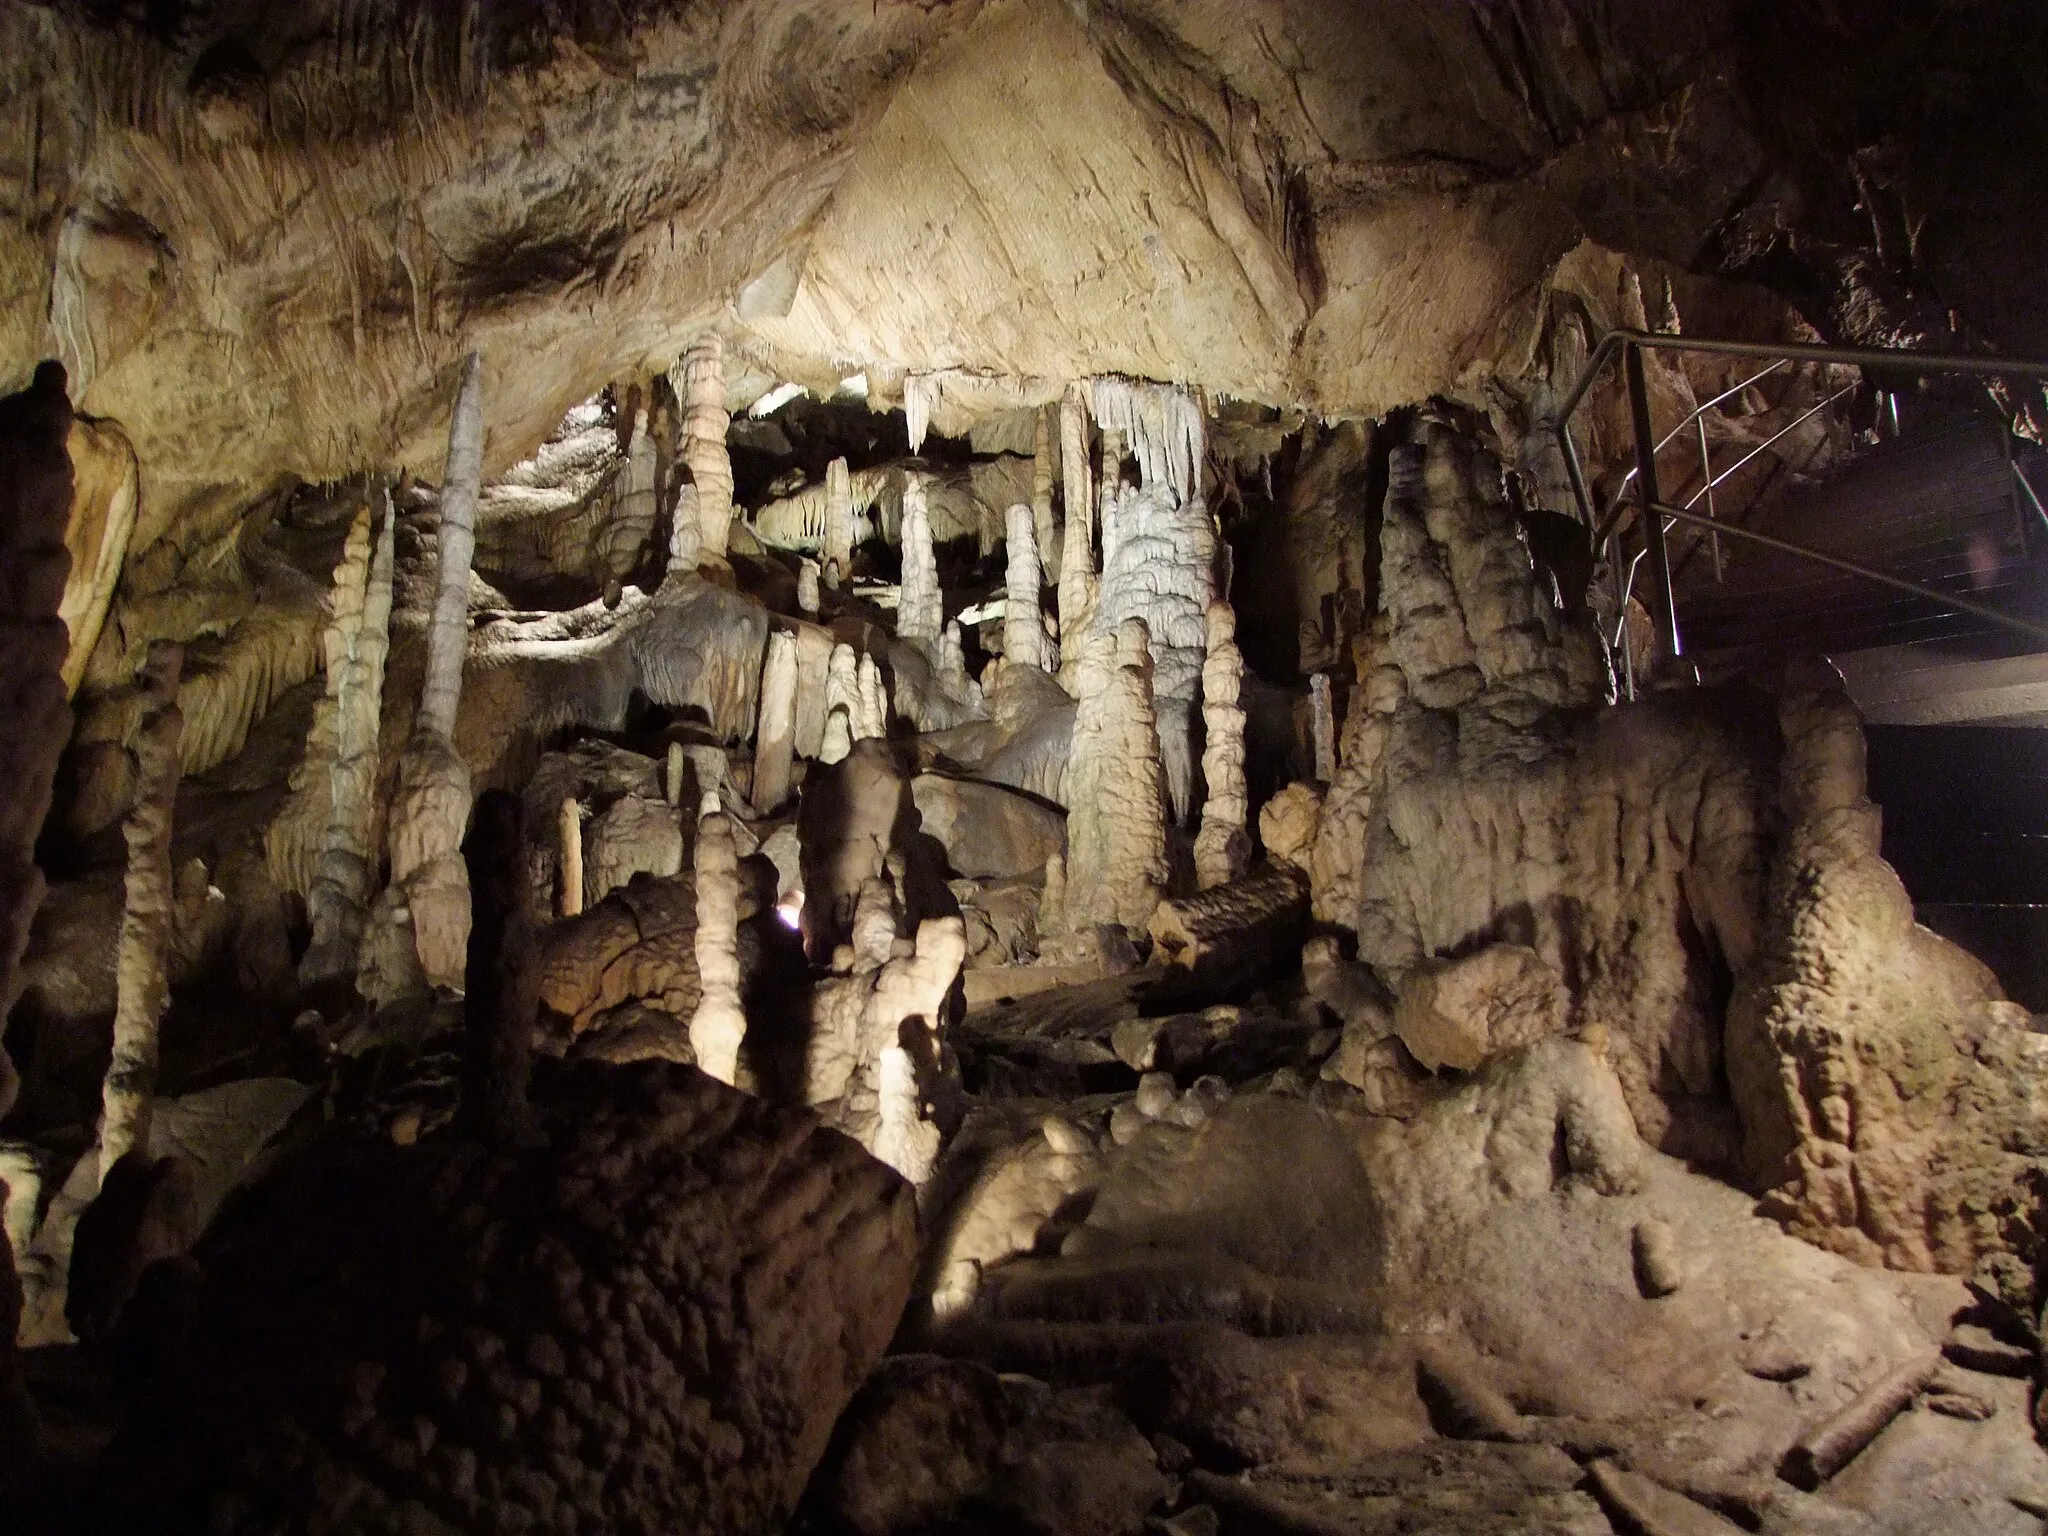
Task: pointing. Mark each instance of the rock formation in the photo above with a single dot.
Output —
(1077, 538)
(1222, 847)
(1158, 557)
(1044, 472)
(432, 808)
(1023, 627)
(699, 381)
(775, 733)
(357, 642)
(871, 711)
(633, 510)
(1323, 727)
(922, 612)
(35, 499)
(1114, 790)
(143, 967)
(838, 531)
(718, 1025)
(569, 858)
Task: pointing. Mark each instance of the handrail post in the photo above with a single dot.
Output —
(1648, 500)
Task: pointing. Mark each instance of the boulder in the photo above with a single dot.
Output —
(989, 832)
(1461, 1013)
(646, 1316)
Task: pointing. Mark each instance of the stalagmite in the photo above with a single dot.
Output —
(631, 524)
(569, 861)
(775, 732)
(1023, 629)
(872, 716)
(35, 500)
(685, 541)
(838, 738)
(1077, 537)
(1042, 476)
(923, 608)
(705, 422)
(807, 594)
(672, 779)
(838, 552)
(842, 699)
(1115, 788)
(952, 670)
(1323, 727)
(718, 1026)
(358, 641)
(433, 781)
(142, 979)
(813, 675)
(1222, 847)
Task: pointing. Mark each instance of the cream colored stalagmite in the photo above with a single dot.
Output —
(1115, 788)
(1077, 537)
(672, 778)
(631, 524)
(922, 612)
(701, 388)
(1042, 475)
(684, 541)
(952, 668)
(142, 985)
(569, 859)
(838, 553)
(719, 1025)
(433, 781)
(872, 717)
(842, 703)
(775, 732)
(807, 595)
(1023, 627)
(1222, 847)
(1323, 726)
(358, 641)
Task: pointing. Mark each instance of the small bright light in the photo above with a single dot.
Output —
(790, 908)
(774, 400)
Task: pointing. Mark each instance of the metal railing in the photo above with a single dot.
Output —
(1657, 515)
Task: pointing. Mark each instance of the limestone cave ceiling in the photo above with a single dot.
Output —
(262, 238)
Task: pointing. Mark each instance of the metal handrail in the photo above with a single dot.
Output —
(1632, 344)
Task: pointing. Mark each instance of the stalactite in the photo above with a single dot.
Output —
(1323, 727)
(1077, 537)
(701, 388)
(35, 720)
(1158, 564)
(1042, 477)
(1222, 847)
(141, 966)
(838, 523)
(920, 394)
(1023, 627)
(775, 731)
(719, 1025)
(1163, 425)
(922, 611)
(358, 642)
(569, 858)
(433, 781)
(872, 718)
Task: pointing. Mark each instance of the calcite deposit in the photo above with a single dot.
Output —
(817, 767)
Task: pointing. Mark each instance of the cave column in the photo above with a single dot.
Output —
(141, 965)
(1023, 626)
(922, 610)
(1077, 538)
(701, 388)
(433, 781)
(719, 1023)
(1114, 788)
(838, 551)
(631, 523)
(358, 642)
(1222, 848)
(1043, 474)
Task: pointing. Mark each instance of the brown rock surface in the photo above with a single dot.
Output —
(647, 1320)
(1458, 1013)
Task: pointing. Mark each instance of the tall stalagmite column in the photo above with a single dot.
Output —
(705, 422)
(1023, 625)
(842, 703)
(1077, 537)
(1323, 726)
(838, 552)
(140, 968)
(1115, 787)
(358, 641)
(1222, 847)
(433, 781)
(872, 718)
(631, 524)
(775, 731)
(719, 1024)
(569, 857)
(1042, 475)
(35, 719)
(922, 613)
